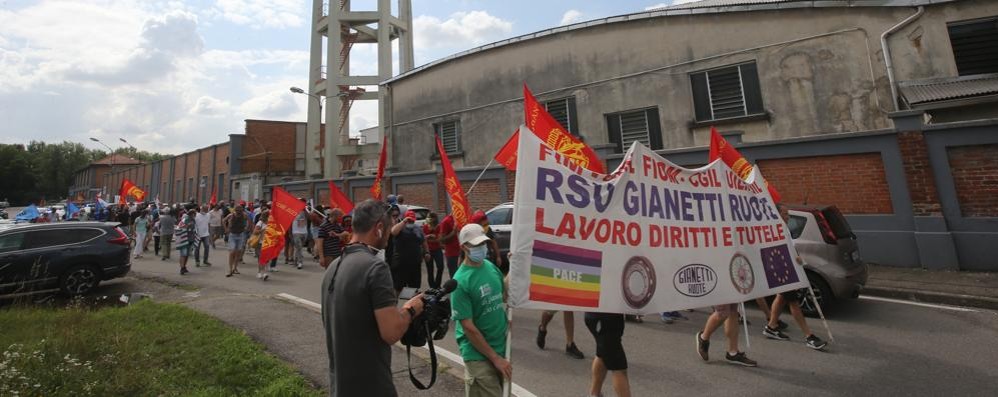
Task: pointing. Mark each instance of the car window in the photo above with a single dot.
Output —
(53, 237)
(796, 225)
(500, 216)
(11, 242)
(421, 214)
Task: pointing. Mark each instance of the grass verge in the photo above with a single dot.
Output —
(145, 349)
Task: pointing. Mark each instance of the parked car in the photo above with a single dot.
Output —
(4, 204)
(3, 213)
(421, 213)
(822, 235)
(72, 256)
(828, 246)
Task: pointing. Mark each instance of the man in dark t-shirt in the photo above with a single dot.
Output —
(330, 237)
(359, 315)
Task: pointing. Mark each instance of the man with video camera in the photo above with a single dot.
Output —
(359, 310)
(478, 308)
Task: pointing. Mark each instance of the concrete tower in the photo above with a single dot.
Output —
(330, 77)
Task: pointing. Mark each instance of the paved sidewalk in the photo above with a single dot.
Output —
(961, 288)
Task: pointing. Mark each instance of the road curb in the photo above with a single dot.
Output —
(945, 298)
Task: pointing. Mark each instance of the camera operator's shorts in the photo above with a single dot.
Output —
(795, 296)
(608, 329)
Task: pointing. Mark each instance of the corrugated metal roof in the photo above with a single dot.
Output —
(698, 7)
(935, 90)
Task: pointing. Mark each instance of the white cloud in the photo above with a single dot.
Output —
(460, 31)
(264, 13)
(663, 5)
(134, 69)
(570, 17)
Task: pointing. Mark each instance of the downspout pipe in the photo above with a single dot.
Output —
(887, 53)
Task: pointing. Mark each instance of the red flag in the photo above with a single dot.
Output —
(721, 149)
(458, 202)
(376, 187)
(129, 189)
(286, 208)
(557, 137)
(507, 155)
(214, 197)
(339, 200)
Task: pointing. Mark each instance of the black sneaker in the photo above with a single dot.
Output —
(541, 336)
(780, 325)
(197, 264)
(815, 342)
(774, 333)
(740, 359)
(574, 352)
(702, 346)
(207, 264)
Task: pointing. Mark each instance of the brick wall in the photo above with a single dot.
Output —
(856, 183)
(918, 173)
(358, 194)
(276, 137)
(975, 174)
(418, 194)
(485, 196)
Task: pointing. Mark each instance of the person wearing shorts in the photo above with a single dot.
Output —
(726, 314)
(608, 330)
(792, 299)
(236, 224)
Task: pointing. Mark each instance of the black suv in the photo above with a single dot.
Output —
(71, 256)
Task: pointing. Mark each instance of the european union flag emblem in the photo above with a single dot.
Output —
(779, 266)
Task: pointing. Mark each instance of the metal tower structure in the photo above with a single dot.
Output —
(330, 78)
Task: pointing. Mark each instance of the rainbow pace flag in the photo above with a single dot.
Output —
(565, 275)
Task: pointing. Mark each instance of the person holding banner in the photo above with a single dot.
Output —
(728, 315)
(608, 330)
(772, 329)
(478, 306)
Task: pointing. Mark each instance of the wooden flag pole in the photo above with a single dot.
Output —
(480, 176)
(824, 322)
(748, 345)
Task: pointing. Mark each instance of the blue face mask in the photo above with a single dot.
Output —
(477, 253)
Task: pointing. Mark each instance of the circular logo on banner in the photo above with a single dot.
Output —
(638, 282)
(695, 280)
(741, 274)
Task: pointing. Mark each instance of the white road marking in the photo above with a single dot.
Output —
(929, 305)
(455, 358)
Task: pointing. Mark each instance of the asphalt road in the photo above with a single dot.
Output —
(881, 348)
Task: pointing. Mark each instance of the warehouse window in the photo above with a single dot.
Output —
(449, 132)
(564, 112)
(975, 45)
(728, 92)
(632, 126)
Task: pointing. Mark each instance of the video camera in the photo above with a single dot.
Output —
(429, 326)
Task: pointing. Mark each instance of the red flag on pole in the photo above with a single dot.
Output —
(721, 149)
(507, 155)
(129, 189)
(286, 208)
(376, 187)
(556, 136)
(214, 197)
(339, 200)
(458, 202)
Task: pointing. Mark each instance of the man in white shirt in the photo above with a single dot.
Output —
(299, 233)
(201, 222)
(215, 224)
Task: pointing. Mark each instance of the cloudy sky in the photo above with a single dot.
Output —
(170, 76)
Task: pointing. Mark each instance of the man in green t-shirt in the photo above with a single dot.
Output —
(479, 311)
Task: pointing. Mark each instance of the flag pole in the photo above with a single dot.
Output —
(507, 384)
(824, 322)
(748, 345)
(480, 176)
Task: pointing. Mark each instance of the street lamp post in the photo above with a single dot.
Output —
(129, 144)
(318, 129)
(111, 151)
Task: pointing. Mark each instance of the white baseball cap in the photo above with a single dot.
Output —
(472, 233)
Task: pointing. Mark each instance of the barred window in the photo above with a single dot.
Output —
(564, 112)
(727, 92)
(449, 132)
(975, 45)
(632, 126)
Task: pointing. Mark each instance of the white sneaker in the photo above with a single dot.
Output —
(299, 265)
(259, 275)
(266, 276)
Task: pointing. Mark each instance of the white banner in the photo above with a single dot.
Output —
(650, 237)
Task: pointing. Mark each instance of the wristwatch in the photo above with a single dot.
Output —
(412, 313)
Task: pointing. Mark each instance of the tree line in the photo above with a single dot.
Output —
(43, 171)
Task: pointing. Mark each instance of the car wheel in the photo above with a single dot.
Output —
(822, 293)
(79, 280)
